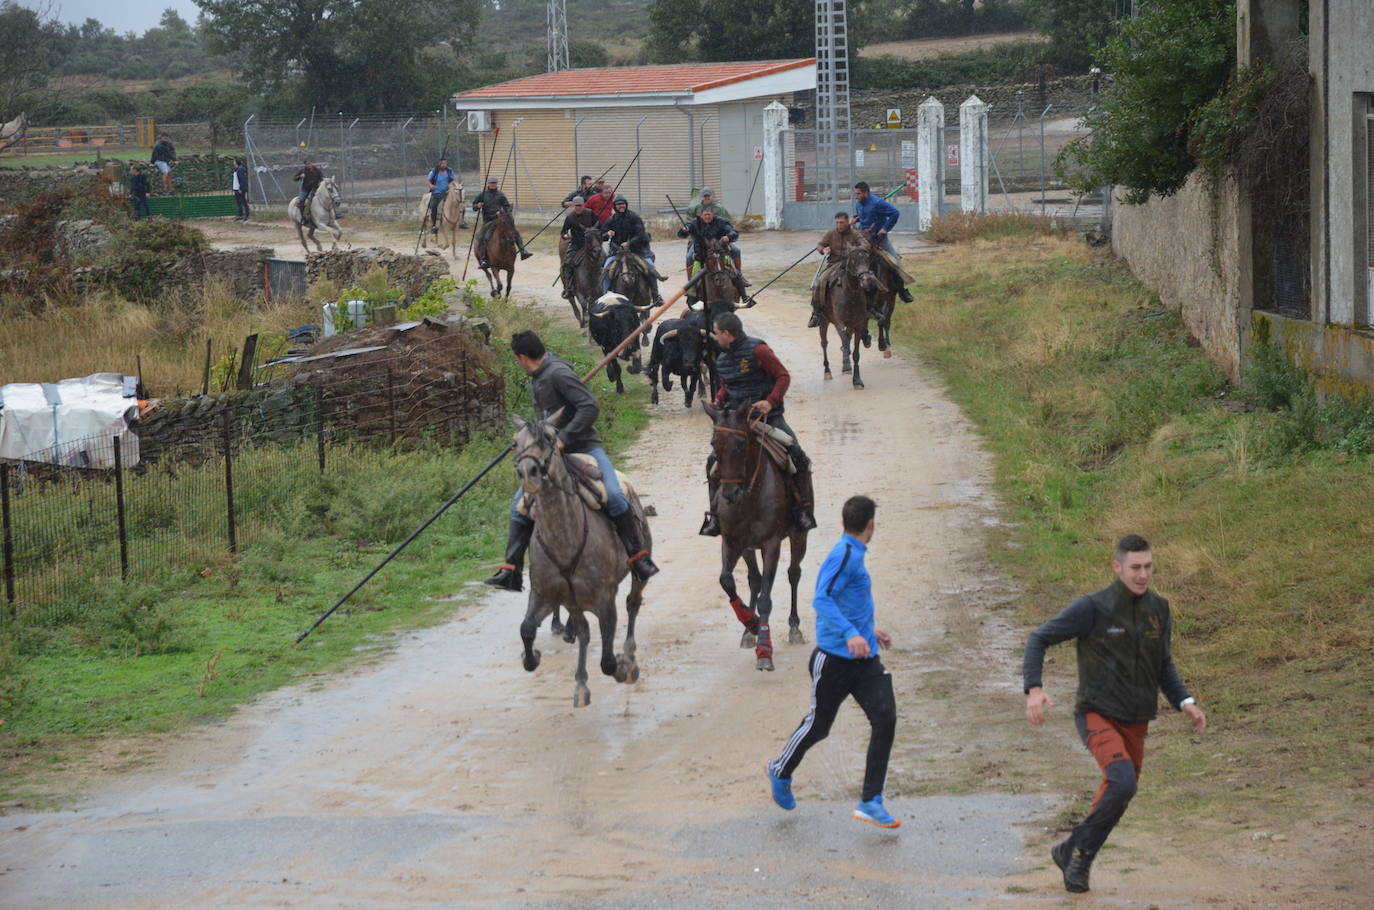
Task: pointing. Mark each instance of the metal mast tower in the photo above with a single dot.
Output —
(833, 137)
(558, 35)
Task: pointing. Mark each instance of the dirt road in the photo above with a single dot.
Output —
(444, 775)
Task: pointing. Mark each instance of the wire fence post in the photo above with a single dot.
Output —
(319, 426)
(120, 516)
(7, 532)
(229, 478)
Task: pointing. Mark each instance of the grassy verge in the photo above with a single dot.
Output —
(1105, 418)
(189, 645)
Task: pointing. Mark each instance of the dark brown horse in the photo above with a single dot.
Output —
(719, 291)
(754, 509)
(501, 253)
(845, 302)
(585, 285)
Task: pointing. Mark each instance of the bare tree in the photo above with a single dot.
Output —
(31, 42)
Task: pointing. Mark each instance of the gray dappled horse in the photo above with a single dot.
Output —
(324, 212)
(576, 559)
(845, 302)
(754, 508)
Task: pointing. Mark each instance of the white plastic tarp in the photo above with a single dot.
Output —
(72, 422)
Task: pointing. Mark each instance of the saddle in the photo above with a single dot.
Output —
(776, 443)
(306, 217)
(590, 485)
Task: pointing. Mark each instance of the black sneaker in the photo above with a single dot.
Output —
(1074, 864)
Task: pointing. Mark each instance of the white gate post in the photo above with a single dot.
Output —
(930, 127)
(973, 156)
(774, 122)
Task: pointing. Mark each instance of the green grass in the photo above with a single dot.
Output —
(193, 641)
(1105, 418)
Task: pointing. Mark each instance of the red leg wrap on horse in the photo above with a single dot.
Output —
(765, 645)
(743, 613)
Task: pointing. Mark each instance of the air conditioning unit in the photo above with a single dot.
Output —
(479, 121)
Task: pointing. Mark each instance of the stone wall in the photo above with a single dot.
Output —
(1070, 96)
(1185, 248)
(344, 267)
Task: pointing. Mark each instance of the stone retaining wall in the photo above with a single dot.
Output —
(344, 267)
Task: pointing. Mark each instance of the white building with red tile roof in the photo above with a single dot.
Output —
(697, 124)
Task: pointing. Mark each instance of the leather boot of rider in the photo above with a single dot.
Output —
(510, 575)
(739, 274)
(711, 526)
(804, 514)
(520, 243)
(628, 528)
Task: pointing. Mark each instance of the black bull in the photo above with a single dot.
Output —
(679, 345)
(610, 324)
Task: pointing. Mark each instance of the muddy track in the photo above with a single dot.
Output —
(444, 775)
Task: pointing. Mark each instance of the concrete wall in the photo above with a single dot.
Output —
(1185, 248)
(1341, 51)
(1340, 360)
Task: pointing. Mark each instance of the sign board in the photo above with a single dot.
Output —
(858, 157)
(894, 118)
(758, 153)
(913, 184)
(952, 154)
(908, 154)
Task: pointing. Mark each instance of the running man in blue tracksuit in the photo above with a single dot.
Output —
(846, 663)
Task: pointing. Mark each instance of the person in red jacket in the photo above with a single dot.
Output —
(603, 204)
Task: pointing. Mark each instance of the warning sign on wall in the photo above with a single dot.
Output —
(758, 153)
(952, 154)
(894, 118)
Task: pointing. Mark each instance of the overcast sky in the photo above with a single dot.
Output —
(127, 16)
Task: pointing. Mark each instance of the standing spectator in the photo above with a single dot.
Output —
(138, 191)
(241, 189)
(846, 663)
(164, 159)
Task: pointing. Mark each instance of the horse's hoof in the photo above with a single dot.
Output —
(858, 384)
(582, 696)
(632, 674)
(531, 662)
(764, 663)
(795, 636)
(556, 627)
(634, 369)
(610, 666)
(748, 639)
(887, 352)
(847, 369)
(828, 375)
(569, 635)
(622, 668)
(653, 397)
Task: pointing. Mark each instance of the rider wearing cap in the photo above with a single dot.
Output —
(491, 202)
(626, 229)
(573, 238)
(439, 180)
(555, 387)
(750, 371)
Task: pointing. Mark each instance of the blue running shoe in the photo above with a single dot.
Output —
(782, 788)
(872, 811)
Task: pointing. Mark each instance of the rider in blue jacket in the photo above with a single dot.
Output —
(876, 217)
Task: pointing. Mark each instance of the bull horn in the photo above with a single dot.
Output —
(671, 333)
(611, 298)
(698, 307)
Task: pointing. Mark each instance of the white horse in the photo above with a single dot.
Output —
(451, 220)
(324, 206)
(11, 133)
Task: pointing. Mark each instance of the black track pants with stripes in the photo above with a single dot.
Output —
(833, 679)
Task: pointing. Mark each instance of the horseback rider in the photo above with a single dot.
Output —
(706, 226)
(439, 180)
(555, 387)
(309, 177)
(707, 202)
(877, 217)
(573, 239)
(626, 229)
(602, 203)
(750, 371)
(584, 190)
(834, 245)
(491, 202)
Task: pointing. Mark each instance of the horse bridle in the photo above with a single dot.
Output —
(752, 446)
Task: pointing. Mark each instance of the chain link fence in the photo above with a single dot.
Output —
(379, 160)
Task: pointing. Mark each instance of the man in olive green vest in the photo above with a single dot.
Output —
(1122, 635)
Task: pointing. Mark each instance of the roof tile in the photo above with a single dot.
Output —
(633, 80)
